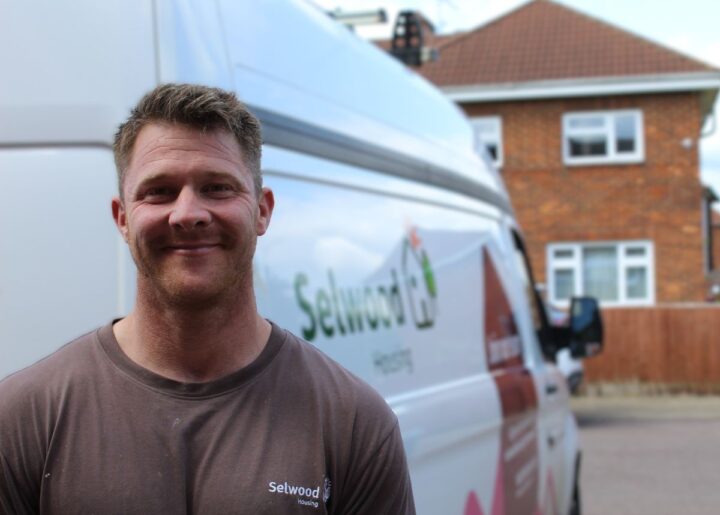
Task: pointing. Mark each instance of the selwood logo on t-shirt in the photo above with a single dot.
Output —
(306, 495)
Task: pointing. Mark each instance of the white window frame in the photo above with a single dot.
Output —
(494, 138)
(612, 156)
(574, 262)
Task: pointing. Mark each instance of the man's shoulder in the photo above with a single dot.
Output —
(51, 374)
(362, 431)
(314, 370)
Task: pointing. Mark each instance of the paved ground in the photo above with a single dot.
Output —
(650, 456)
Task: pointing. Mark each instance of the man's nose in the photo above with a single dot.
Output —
(189, 211)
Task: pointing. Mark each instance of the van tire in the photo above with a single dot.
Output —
(575, 504)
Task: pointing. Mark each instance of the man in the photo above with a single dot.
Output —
(194, 403)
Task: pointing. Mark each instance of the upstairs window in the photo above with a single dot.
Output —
(599, 137)
(616, 273)
(488, 137)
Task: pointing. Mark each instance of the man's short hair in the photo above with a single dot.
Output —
(199, 107)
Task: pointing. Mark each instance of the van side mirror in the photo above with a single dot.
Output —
(586, 328)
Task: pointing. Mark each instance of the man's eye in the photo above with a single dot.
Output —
(218, 188)
(157, 192)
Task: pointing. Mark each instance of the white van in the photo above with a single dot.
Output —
(393, 248)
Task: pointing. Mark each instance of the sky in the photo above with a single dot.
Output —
(689, 26)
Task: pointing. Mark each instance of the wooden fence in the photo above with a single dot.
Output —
(665, 348)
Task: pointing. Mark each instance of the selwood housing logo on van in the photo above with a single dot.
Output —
(338, 310)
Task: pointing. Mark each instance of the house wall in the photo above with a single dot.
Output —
(658, 199)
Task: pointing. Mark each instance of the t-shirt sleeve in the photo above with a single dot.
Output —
(20, 457)
(14, 496)
(381, 486)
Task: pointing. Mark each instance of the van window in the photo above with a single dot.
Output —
(525, 276)
(535, 303)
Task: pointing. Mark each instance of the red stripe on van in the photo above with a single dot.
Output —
(517, 473)
(503, 347)
(472, 505)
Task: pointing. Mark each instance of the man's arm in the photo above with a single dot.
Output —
(14, 498)
(380, 485)
(21, 450)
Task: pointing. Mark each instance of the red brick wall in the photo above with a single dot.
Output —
(657, 200)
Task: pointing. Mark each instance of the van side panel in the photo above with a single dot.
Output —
(60, 255)
(191, 43)
(317, 61)
(72, 70)
(366, 275)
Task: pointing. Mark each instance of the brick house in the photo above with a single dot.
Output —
(596, 133)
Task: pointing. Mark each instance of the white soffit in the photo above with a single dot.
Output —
(586, 87)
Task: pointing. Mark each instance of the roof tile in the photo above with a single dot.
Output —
(543, 40)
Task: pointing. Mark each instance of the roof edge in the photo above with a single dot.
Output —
(584, 87)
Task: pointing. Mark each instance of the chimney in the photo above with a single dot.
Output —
(411, 36)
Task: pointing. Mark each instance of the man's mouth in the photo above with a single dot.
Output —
(192, 248)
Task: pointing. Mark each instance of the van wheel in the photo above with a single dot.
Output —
(575, 506)
(575, 503)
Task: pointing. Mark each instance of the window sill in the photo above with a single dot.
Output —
(610, 304)
(603, 161)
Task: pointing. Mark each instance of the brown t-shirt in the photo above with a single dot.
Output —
(87, 430)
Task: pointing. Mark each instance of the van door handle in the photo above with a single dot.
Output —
(551, 388)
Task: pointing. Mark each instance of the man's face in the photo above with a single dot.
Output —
(191, 215)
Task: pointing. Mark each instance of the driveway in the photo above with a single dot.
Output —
(650, 455)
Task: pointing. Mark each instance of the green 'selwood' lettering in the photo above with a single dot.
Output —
(336, 311)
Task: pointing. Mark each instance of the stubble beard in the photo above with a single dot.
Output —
(163, 285)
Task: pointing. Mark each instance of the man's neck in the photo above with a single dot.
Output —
(190, 345)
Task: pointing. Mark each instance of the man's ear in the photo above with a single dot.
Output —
(120, 217)
(266, 204)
